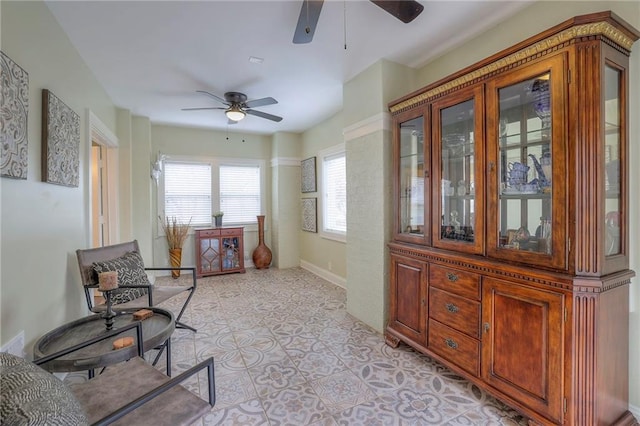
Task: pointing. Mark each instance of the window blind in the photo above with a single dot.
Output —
(240, 193)
(187, 192)
(335, 193)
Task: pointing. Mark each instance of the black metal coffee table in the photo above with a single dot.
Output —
(156, 332)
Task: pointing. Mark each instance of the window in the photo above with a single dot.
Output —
(187, 192)
(334, 193)
(240, 193)
(195, 189)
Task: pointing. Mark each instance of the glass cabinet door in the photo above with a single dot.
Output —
(612, 162)
(230, 254)
(410, 155)
(526, 158)
(458, 169)
(209, 255)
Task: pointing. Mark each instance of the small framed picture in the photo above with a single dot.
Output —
(308, 167)
(309, 215)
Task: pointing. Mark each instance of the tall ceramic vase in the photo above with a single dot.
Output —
(262, 254)
(175, 257)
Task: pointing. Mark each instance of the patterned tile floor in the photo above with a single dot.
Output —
(287, 353)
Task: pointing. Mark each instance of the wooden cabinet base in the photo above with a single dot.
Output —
(552, 346)
(219, 251)
(627, 419)
(391, 340)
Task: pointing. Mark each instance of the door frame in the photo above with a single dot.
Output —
(99, 133)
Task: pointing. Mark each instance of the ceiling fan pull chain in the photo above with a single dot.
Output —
(345, 24)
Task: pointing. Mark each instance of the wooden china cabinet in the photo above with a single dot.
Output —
(510, 253)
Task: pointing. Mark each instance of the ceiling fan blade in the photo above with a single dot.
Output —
(260, 102)
(263, 115)
(198, 109)
(307, 21)
(217, 98)
(404, 10)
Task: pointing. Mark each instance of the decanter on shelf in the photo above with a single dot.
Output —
(543, 169)
(462, 188)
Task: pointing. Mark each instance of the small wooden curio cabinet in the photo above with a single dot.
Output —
(510, 254)
(219, 251)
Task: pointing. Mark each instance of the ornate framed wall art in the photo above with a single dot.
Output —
(60, 142)
(14, 111)
(309, 215)
(308, 167)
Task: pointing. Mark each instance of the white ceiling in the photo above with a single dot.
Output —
(152, 56)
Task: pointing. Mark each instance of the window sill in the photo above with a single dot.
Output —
(340, 238)
(250, 227)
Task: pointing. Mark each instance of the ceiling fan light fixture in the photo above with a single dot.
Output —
(235, 113)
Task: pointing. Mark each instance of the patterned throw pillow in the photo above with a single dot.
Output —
(31, 396)
(130, 268)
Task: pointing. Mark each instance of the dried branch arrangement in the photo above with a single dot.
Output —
(175, 231)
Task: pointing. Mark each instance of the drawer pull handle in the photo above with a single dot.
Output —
(452, 308)
(451, 343)
(452, 277)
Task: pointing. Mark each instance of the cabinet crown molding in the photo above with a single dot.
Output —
(506, 59)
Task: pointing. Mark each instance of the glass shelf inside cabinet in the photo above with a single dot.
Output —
(457, 168)
(612, 175)
(525, 166)
(412, 177)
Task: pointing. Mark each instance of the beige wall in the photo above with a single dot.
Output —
(142, 210)
(369, 184)
(125, 169)
(285, 203)
(368, 223)
(318, 254)
(195, 142)
(43, 224)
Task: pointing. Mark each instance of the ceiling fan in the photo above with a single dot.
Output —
(237, 106)
(404, 10)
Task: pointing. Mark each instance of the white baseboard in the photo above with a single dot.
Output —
(15, 346)
(635, 411)
(323, 273)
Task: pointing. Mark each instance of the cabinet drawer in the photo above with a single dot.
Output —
(455, 311)
(455, 347)
(207, 233)
(465, 284)
(234, 232)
